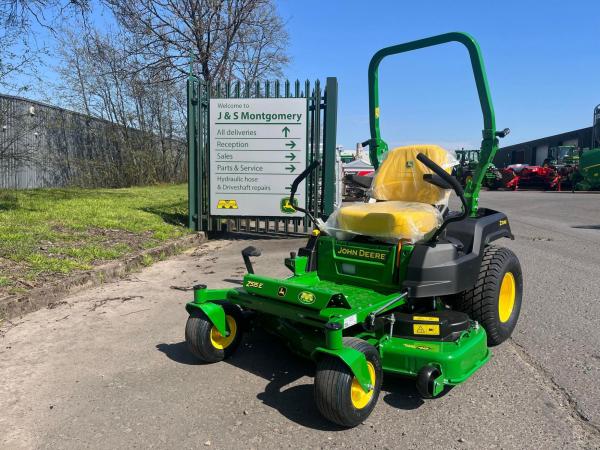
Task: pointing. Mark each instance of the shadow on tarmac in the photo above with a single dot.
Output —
(263, 355)
(587, 227)
(179, 353)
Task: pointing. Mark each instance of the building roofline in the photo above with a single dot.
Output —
(535, 142)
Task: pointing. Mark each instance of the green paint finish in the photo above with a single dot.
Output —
(214, 312)
(330, 142)
(457, 360)
(355, 361)
(332, 299)
(362, 264)
(312, 330)
(489, 144)
(589, 167)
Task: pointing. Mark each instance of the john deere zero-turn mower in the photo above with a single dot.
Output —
(398, 285)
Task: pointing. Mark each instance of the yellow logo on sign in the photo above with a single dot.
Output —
(307, 298)
(426, 329)
(227, 204)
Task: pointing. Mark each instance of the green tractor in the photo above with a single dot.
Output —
(468, 160)
(589, 161)
(399, 285)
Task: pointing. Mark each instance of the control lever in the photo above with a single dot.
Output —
(247, 253)
(312, 166)
(453, 182)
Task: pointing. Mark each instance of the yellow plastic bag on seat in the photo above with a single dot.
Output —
(405, 210)
(400, 176)
(392, 220)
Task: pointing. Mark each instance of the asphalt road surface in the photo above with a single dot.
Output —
(108, 368)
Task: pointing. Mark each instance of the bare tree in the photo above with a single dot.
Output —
(17, 52)
(20, 55)
(228, 39)
(101, 78)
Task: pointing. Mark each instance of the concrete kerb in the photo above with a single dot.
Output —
(37, 298)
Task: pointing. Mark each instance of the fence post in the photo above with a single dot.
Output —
(329, 147)
(192, 141)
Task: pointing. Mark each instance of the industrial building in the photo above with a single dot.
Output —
(534, 152)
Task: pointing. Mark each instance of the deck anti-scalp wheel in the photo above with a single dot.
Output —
(206, 342)
(495, 300)
(338, 394)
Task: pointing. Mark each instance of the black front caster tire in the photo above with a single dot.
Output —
(204, 340)
(495, 300)
(338, 394)
(425, 380)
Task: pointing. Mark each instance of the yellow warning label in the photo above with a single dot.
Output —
(426, 329)
(426, 319)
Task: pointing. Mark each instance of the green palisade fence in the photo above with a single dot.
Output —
(322, 126)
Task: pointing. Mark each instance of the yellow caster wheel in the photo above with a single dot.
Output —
(206, 342)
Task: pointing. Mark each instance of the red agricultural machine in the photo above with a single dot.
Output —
(531, 177)
(557, 172)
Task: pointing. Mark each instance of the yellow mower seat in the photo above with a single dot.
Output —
(405, 209)
(400, 176)
(391, 219)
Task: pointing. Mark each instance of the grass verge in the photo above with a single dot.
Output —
(50, 233)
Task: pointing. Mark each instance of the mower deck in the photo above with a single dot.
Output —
(312, 316)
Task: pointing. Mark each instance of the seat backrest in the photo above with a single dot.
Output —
(400, 176)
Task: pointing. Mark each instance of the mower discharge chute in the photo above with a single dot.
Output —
(399, 285)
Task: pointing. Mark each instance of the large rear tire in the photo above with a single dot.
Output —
(338, 394)
(495, 300)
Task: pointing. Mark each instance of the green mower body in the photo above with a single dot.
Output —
(349, 294)
(363, 306)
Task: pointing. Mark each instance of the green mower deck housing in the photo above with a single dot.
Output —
(313, 310)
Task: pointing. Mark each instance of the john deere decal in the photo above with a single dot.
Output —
(286, 207)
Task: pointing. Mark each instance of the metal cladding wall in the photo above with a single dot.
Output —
(45, 146)
(534, 152)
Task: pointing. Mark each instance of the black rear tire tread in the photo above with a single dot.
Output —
(332, 383)
(481, 301)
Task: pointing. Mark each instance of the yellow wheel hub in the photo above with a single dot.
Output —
(222, 342)
(506, 299)
(360, 398)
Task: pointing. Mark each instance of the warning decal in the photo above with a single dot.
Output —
(426, 329)
(426, 319)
